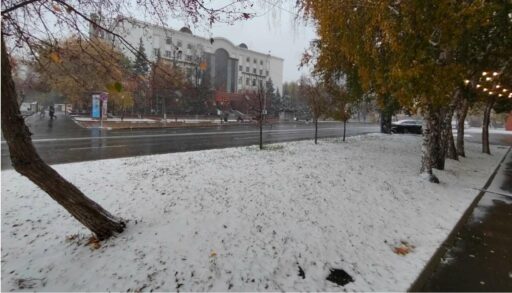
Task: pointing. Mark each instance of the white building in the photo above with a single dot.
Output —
(232, 68)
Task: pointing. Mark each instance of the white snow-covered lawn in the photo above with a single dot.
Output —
(89, 119)
(243, 220)
(491, 130)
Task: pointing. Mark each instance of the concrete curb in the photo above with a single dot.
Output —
(426, 273)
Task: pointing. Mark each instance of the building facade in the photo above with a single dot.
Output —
(231, 68)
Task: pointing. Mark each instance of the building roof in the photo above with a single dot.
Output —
(186, 30)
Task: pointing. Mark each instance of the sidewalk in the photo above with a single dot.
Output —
(478, 255)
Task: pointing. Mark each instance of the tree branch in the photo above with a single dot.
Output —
(17, 6)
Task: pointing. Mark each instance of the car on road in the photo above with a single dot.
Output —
(406, 126)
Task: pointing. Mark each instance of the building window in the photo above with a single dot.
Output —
(168, 41)
(254, 82)
(179, 44)
(247, 81)
(179, 54)
(240, 67)
(248, 60)
(247, 69)
(255, 62)
(254, 70)
(261, 71)
(188, 58)
(239, 80)
(267, 72)
(189, 46)
(168, 54)
(261, 83)
(156, 51)
(261, 62)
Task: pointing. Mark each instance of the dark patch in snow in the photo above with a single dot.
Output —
(339, 277)
(30, 283)
(302, 274)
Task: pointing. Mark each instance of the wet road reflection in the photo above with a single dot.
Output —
(62, 140)
(480, 259)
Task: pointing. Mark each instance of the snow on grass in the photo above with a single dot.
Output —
(491, 130)
(89, 119)
(243, 219)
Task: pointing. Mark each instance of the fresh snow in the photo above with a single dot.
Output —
(491, 130)
(89, 119)
(243, 219)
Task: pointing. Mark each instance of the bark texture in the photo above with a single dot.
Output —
(316, 130)
(449, 143)
(261, 131)
(427, 147)
(462, 112)
(438, 146)
(385, 122)
(485, 126)
(344, 129)
(27, 162)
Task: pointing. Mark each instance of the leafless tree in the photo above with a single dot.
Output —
(27, 26)
(257, 107)
(315, 94)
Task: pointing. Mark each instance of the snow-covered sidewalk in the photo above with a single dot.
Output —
(243, 219)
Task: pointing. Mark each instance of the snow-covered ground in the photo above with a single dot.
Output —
(214, 120)
(243, 219)
(89, 119)
(491, 130)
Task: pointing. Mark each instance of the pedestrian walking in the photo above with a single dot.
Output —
(52, 112)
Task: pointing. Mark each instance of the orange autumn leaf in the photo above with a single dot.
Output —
(55, 57)
(402, 250)
(56, 8)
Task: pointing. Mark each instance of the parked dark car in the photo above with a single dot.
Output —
(406, 126)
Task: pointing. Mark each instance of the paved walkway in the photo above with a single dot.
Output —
(479, 257)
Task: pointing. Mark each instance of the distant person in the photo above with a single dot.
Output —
(42, 113)
(52, 112)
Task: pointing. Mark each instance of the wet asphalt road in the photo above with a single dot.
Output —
(63, 141)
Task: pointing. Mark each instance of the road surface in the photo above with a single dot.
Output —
(63, 141)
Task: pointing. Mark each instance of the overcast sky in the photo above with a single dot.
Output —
(273, 29)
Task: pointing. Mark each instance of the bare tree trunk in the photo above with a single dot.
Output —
(462, 112)
(485, 126)
(316, 130)
(426, 147)
(27, 162)
(344, 129)
(451, 151)
(385, 122)
(438, 143)
(261, 132)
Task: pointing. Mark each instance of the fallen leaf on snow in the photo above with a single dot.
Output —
(404, 248)
(93, 242)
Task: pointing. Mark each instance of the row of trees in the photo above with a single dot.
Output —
(426, 56)
(76, 67)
